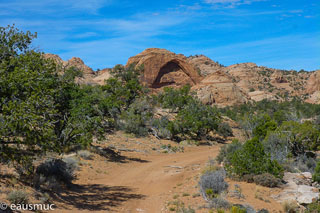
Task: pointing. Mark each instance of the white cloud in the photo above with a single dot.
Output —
(229, 3)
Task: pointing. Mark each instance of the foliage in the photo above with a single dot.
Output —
(137, 118)
(212, 184)
(160, 128)
(175, 99)
(277, 145)
(195, 120)
(301, 136)
(56, 169)
(316, 174)
(219, 203)
(252, 159)
(227, 151)
(313, 207)
(224, 129)
(40, 110)
(264, 125)
(267, 180)
(120, 91)
(18, 197)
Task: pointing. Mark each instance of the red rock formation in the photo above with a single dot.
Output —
(164, 68)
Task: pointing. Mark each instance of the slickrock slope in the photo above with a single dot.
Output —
(89, 76)
(219, 89)
(204, 65)
(313, 87)
(165, 68)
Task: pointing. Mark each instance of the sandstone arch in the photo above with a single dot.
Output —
(164, 68)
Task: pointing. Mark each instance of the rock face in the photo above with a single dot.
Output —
(164, 68)
(89, 76)
(298, 188)
(218, 88)
(213, 83)
(204, 64)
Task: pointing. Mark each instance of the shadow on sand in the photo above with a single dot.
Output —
(95, 197)
(115, 156)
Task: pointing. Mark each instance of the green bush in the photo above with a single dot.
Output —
(41, 109)
(264, 125)
(267, 180)
(160, 128)
(212, 184)
(316, 174)
(252, 159)
(18, 197)
(313, 207)
(55, 171)
(301, 136)
(137, 118)
(175, 99)
(224, 129)
(195, 121)
(227, 151)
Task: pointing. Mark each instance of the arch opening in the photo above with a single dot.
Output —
(171, 74)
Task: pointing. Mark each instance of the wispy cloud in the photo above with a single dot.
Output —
(230, 3)
(57, 7)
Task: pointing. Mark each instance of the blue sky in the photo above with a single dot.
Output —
(282, 34)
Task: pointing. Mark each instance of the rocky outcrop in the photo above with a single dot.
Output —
(213, 83)
(298, 188)
(218, 89)
(89, 76)
(164, 68)
(102, 76)
(204, 65)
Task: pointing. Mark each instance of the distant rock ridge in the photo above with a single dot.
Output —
(213, 83)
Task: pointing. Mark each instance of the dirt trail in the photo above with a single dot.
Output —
(157, 178)
(143, 184)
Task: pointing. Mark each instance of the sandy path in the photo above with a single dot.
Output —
(157, 178)
(135, 186)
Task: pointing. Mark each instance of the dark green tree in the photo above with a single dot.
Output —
(40, 110)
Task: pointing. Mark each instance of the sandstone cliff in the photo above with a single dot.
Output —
(213, 83)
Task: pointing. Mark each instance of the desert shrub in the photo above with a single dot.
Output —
(301, 137)
(195, 120)
(303, 163)
(277, 145)
(18, 197)
(85, 154)
(264, 125)
(224, 129)
(219, 203)
(290, 207)
(137, 118)
(211, 167)
(316, 174)
(175, 99)
(313, 207)
(239, 208)
(267, 180)
(226, 151)
(211, 184)
(56, 170)
(160, 129)
(248, 178)
(41, 109)
(186, 210)
(263, 211)
(252, 159)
